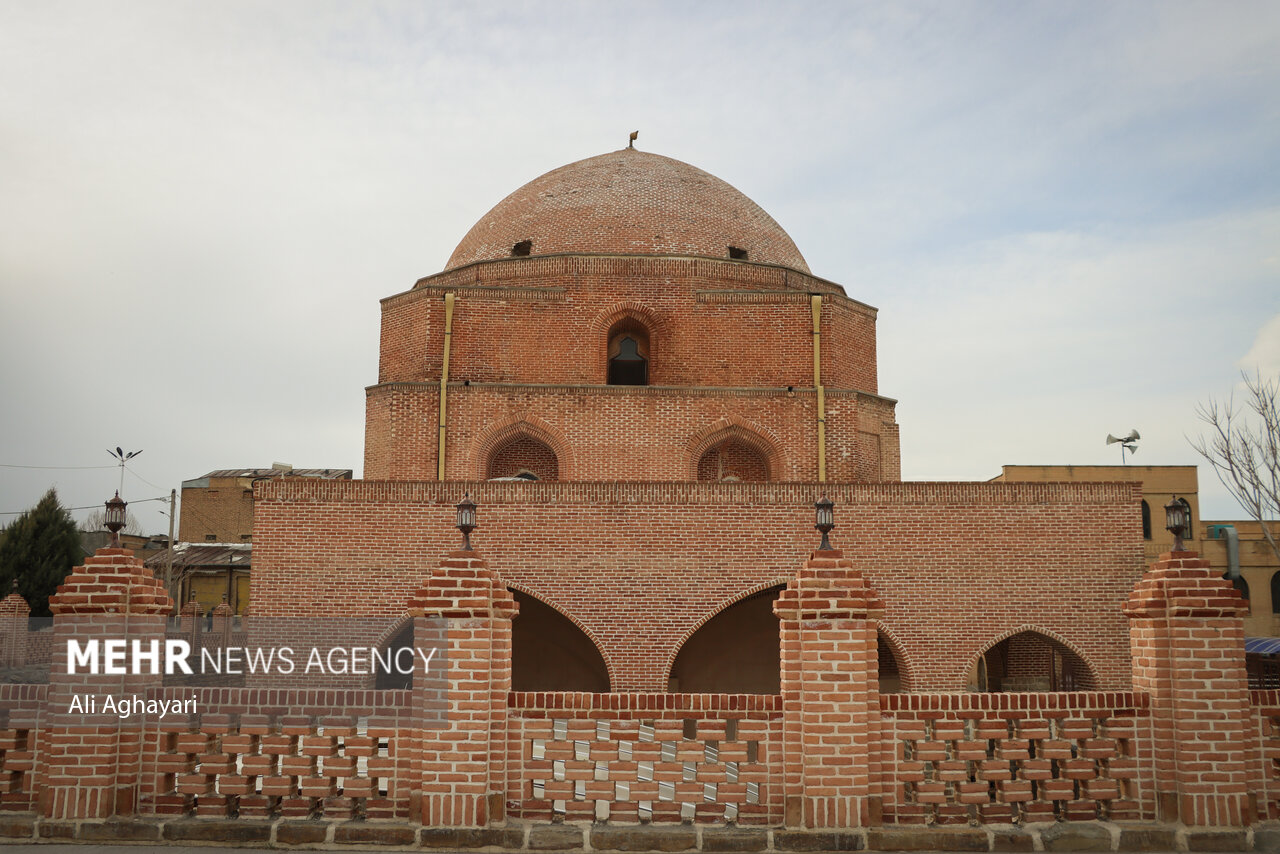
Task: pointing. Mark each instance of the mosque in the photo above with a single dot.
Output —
(599, 445)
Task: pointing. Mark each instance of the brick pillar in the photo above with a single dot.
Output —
(189, 621)
(463, 760)
(830, 695)
(91, 763)
(14, 612)
(1186, 635)
(221, 628)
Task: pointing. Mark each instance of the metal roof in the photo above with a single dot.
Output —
(1262, 646)
(329, 474)
(204, 554)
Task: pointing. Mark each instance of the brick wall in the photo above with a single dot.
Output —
(639, 566)
(627, 432)
(530, 339)
(664, 758)
(221, 512)
(999, 758)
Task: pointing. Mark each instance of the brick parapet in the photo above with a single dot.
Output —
(678, 493)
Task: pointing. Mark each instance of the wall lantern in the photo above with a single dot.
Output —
(466, 521)
(826, 520)
(1176, 521)
(115, 519)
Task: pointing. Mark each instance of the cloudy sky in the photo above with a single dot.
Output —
(1068, 214)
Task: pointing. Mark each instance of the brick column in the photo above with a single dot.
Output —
(1186, 635)
(91, 763)
(14, 612)
(830, 695)
(221, 630)
(189, 621)
(464, 761)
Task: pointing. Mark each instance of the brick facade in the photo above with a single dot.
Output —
(882, 688)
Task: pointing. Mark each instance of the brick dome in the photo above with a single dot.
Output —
(628, 202)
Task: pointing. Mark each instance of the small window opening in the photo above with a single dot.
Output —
(210, 538)
(629, 359)
(737, 253)
(524, 247)
(1146, 520)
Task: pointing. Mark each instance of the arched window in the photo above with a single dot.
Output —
(628, 354)
(1243, 586)
(1030, 661)
(523, 458)
(1146, 520)
(550, 653)
(735, 652)
(1191, 523)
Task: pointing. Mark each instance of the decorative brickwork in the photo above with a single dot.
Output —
(663, 758)
(1004, 758)
(282, 764)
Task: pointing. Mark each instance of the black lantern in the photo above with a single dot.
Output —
(466, 521)
(1177, 521)
(826, 520)
(115, 519)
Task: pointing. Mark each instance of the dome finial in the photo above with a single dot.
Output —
(632, 143)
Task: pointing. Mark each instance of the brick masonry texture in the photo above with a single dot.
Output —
(640, 566)
(629, 202)
(729, 343)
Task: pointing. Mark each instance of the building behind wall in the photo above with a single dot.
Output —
(213, 557)
(630, 366)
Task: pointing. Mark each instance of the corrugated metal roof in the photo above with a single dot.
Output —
(1262, 646)
(329, 474)
(205, 554)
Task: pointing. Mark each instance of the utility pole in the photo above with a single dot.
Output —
(168, 566)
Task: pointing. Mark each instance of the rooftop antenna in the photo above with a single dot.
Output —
(632, 143)
(1128, 443)
(120, 455)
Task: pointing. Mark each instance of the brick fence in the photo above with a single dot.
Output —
(1189, 745)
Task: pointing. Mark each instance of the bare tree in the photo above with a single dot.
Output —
(1243, 446)
(97, 521)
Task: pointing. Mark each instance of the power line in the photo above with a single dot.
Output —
(12, 466)
(89, 507)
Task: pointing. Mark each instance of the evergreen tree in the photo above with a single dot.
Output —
(39, 548)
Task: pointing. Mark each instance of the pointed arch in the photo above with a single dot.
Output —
(733, 649)
(752, 440)
(398, 633)
(637, 321)
(492, 440)
(551, 650)
(888, 642)
(1066, 667)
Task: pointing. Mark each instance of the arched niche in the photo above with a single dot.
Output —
(733, 460)
(737, 651)
(1031, 661)
(550, 653)
(524, 457)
